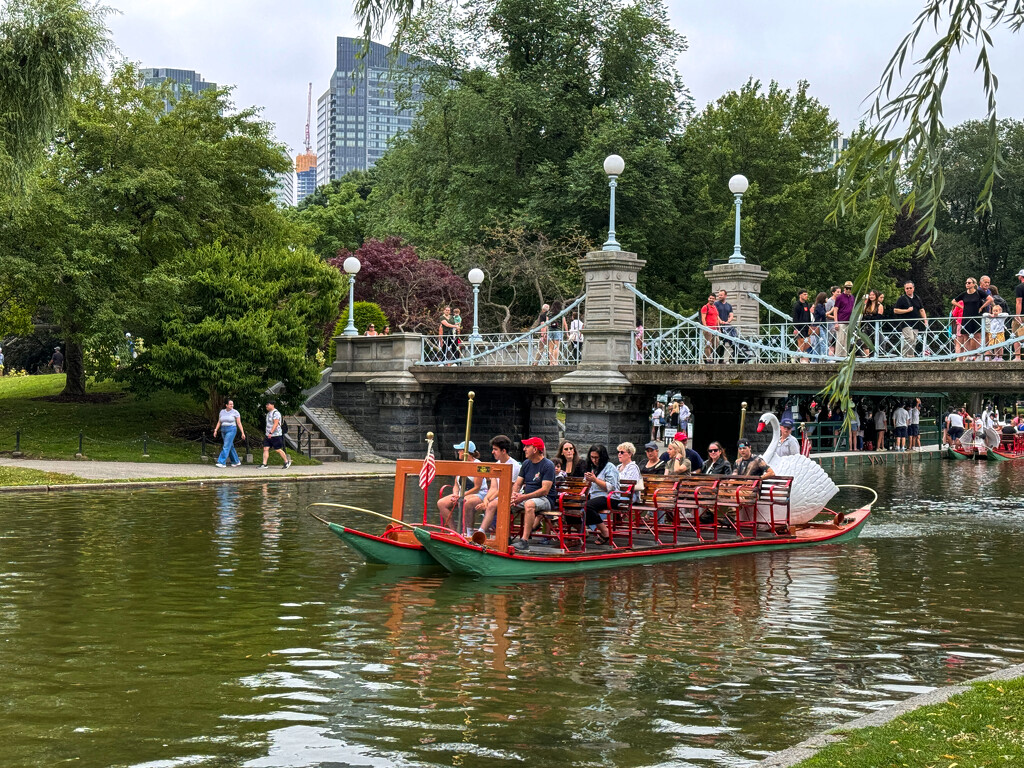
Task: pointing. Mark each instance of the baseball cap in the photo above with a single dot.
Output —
(680, 436)
(848, 284)
(461, 445)
(786, 423)
(744, 443)
(536, 442)
(1021, 273)
(651, 446)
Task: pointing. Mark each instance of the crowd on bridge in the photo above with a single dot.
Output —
(979, 318)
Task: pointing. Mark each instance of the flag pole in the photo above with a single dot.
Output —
(466, 456)
(426, 502)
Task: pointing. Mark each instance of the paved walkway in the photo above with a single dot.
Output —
(124, 470)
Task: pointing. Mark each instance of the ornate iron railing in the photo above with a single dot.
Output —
(537, 346)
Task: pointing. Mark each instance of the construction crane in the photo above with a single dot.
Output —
(309, 116)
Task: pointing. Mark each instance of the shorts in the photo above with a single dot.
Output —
(970, 326)
(276, 442)
(900, 431)
(955, 432)
(554, 335)
(995, 338)
(914, 430)
(541, 504)
(1017, 327)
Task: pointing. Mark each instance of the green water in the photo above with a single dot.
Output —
(225, 627)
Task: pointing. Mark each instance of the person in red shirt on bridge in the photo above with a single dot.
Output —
(709, 318)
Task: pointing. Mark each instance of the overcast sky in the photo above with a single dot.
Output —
(270, 50)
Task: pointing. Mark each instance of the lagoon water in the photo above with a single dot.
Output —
(226, 627)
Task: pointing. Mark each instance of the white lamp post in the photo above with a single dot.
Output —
(613, 166)
(738, 185)
(351, 267)
(476, 276)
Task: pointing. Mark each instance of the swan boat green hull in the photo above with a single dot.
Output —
(463, 557)
(380, 550)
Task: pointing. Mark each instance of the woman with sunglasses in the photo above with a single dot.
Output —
(717, 463)
(568, 460)
(970, 301)
(629, 471)
(604, 481)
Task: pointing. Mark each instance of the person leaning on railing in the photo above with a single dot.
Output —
(844, 310)
(907, 311)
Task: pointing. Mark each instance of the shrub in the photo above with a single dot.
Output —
(366, 312)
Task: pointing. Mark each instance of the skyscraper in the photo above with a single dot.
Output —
(181, 80)
(305, 174)
(284, 192)
(359, 113)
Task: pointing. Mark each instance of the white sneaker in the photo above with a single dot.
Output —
(264, 466)
(222, 466)
(287, 464)
(237, 464)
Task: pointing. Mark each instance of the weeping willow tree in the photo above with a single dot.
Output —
(45, 47)
(897, 162)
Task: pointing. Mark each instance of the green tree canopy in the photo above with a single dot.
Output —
(236, 320)
(126, 189)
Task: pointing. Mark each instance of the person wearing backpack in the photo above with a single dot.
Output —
(273, 437)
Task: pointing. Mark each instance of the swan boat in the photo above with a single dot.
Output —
(987, 445)
(736, 529)
(812, 487)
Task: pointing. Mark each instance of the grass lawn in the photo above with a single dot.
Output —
(17, 476)
(112, 428)
(982, 727)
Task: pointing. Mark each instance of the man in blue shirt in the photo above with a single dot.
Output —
(534, 489)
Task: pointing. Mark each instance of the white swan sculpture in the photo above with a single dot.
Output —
(812, 487)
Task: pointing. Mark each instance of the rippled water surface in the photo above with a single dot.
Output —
(224, 627)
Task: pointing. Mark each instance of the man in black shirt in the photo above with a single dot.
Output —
(907, 310)
(748, 465)
(725, 318)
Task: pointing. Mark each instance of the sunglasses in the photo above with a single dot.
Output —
(622, 452)
(713, 450)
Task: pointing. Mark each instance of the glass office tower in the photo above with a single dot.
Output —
(359, 113)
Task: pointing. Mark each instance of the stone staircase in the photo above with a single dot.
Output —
(333, 438)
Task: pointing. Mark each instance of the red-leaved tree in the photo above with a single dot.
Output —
(411, 291)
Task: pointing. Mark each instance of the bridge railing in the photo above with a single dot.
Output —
(888, 340)
(552, 344)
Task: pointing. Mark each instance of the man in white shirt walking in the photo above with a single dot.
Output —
(274, 437)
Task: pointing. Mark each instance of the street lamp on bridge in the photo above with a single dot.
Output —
(613, 166)
(738, 185)
(351, 267)
(476, 276)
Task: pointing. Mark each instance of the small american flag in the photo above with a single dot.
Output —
(429, 469)
(805, 445)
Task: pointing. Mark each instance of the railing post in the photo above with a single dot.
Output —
(309, 444)
(202, 450)
(80, 437)
(17, 444)
(248, 453)
(145, 445)
(878, 336)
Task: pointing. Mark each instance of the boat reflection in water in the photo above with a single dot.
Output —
(634, 667)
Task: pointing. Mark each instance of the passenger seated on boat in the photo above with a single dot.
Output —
(696, 462)
(718, 462)
(604, 480)
(534, 490)
(474, 495)
(749, 465)
(654, 464)
(629, 472)
(677, 463)
(500, 446)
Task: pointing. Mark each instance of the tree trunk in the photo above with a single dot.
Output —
(213, 405)
(74, 367)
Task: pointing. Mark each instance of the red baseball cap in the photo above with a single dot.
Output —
(679, 436)
(536, 442)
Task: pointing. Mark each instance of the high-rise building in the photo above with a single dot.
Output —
(359, 113)
(305, 174)
(284, 192)
(182, 80)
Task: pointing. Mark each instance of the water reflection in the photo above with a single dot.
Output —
(222, 626)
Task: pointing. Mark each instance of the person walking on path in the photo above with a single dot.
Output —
(229, 422)
(57, 361)
(273, 437)
(657, 421)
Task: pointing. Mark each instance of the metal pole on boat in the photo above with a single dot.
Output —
(743, 417)
(466, 456)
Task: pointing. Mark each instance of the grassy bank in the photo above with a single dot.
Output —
(113, 423)
(982, 727)
(16, 476)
